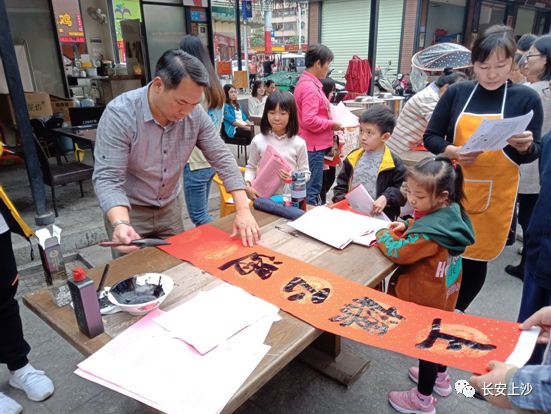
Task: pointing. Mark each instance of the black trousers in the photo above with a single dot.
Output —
(474, 276)
(526, 203)
(328, 180)
(13, 347)
(427, 376)
(242, 133)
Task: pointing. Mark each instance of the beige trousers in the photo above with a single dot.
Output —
(159, 222)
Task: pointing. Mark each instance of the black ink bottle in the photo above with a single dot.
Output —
(85, 303)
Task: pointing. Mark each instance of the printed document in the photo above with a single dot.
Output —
(492, 134)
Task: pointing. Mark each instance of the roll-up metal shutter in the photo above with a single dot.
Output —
(345, 30)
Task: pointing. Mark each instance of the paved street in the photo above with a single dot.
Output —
(296, 389)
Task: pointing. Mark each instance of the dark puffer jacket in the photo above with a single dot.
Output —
(389, 180)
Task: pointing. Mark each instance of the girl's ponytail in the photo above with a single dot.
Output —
(440, 174)
(457, 194)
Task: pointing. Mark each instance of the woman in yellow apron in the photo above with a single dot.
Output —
(491, 177)
(13, 347)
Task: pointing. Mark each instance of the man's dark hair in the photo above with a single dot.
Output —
(175, 65)
(380, 115)
(286, 102)
(269, 83)
(318, 52)
(526, 41)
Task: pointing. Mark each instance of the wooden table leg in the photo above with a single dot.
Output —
(325, 356)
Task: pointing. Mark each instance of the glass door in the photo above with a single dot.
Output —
(490, 13)
(165, 25)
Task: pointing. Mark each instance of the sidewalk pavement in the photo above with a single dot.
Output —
(295, 389)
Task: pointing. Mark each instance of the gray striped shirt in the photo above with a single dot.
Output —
(413, 120)
(139, 162)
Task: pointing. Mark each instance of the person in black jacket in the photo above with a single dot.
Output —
(373, 165)
(536, 291)
(13, 347)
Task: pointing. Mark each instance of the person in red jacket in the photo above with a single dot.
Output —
(428, 249)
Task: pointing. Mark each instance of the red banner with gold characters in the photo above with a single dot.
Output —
(334, 304)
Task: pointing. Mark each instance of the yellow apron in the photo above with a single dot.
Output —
(490, 187)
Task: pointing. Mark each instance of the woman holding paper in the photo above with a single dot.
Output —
(278, 151)
(491, 177)
(314, 110)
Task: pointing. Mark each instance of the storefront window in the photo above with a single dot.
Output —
(445, 20)
(490, 13)
(223, 21)
(525, 21)
(124, 10)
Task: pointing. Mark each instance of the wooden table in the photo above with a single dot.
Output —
(288, 337)
(76, 133)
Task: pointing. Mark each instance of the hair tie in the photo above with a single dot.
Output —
(455, 164)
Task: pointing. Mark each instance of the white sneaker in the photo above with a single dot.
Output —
(35, 383)
(9, 406)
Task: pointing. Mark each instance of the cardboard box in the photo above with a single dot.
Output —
(38, 105)
(62, 105)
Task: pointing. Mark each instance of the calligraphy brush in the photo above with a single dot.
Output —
(158, 289)
(138, 242)
(103, 277)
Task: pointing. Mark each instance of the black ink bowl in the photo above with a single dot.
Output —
(141, 293)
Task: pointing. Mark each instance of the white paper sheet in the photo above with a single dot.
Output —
(359, 199)
(492, 134)
(145, 362)
(524, 348)
(337, 228)
(368, 239)
(343, 115)
(213, 316)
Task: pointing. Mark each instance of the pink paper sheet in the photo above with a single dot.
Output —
(147, 363)
(267, 179)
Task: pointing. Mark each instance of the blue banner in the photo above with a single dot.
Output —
(247, 9)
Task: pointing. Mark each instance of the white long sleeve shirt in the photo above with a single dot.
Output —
(293, 150)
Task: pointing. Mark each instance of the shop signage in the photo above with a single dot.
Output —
(247, 9)
(198, 16)
(68, 21)
(196, 3)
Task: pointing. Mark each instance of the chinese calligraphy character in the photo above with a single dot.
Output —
(487, 389)
(369, 315)
(500, 388)
(526, 389)
(515, 389)
(65, 19)
(455, 343)
(253, 263)
(318, 296)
